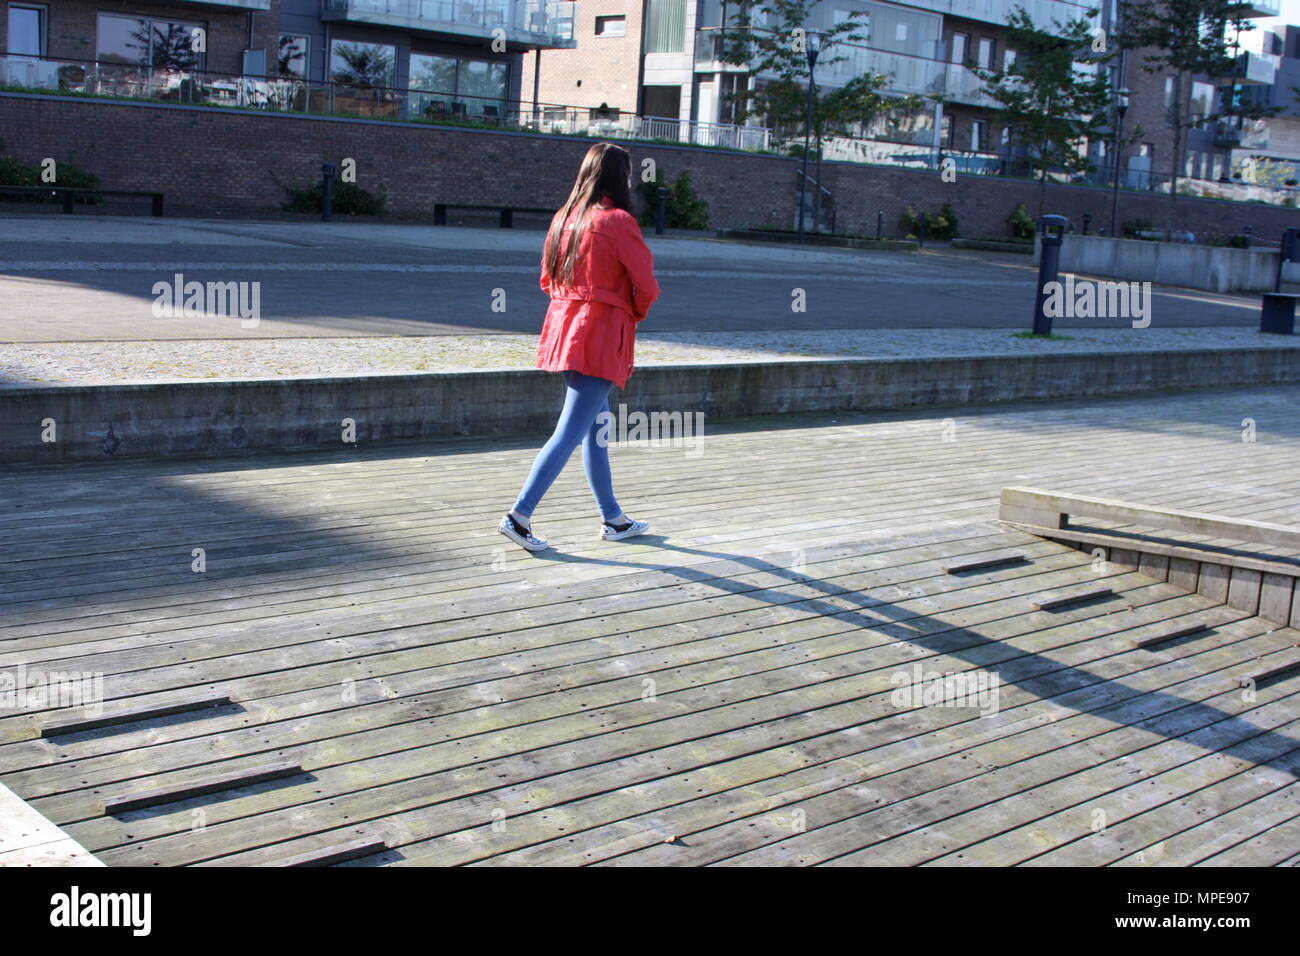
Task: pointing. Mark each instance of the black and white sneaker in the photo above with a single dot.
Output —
(521, 535)
(617, 532)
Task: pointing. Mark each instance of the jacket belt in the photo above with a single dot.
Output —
(593, 294)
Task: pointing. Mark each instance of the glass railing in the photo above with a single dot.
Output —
(1042, 12)
(531, 22)
(290, 95)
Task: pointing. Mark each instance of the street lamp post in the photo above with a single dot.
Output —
(1121, 107)
(814, 47)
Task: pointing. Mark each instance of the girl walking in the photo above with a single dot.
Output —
(600, 277)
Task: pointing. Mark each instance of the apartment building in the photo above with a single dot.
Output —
(465, 54)
(664, 58)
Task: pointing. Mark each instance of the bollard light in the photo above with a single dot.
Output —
(1052, 233)
(662, 193)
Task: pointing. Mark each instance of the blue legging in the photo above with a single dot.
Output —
(584, 400)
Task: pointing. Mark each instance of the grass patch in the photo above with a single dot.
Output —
(1032, 335)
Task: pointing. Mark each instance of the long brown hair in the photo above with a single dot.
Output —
(605, 174)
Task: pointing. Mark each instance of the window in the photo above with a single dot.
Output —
(663, 101)
(291, 60)
(1169, 92)
(979, 132)
(665, 26)
(731, 109)
(945, 130)
(362, 64)
(985, 58)
(144, 41)
(1008, 60)
(611, 26)
(1006, 137)
(900, 31)
(449, 84)
(960, 45)
(26, 30)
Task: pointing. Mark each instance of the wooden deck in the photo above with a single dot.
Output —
(409, 689)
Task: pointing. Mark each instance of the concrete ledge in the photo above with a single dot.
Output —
(1212, 268)
(995, 245)
(819, 239)
(28, 839)
(98, 422)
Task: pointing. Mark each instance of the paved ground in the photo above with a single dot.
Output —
(64, 278)
(720, 691)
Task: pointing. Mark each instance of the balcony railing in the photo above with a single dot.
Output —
(113, 80)
(237, 4)
(523, 23)
(1254, 69)
(705, 134)
(1042, 12)
(1260, 8)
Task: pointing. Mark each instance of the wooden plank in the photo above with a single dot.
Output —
(1269, 672)
(215, 783)
(1243, 589)
(985, 564)
(1154, 565)
(1213, 582)
(1183, 573)
(1161, 636)
(337, 853)
(1125, 558)
(1131, 545)
(126, 715)
(1064, 601)
(1275, 596)
(1259, 532)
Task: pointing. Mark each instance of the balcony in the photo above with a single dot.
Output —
(231, 4)
(1251, 134)
(1254, 69)
(527, 24)
(1042, 12)
(1259, 8)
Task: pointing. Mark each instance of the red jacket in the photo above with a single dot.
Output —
(590, 327)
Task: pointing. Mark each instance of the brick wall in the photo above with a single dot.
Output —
(602, 69)
(211, 161)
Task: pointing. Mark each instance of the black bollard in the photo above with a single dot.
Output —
(1087, 221)
(327, 191)
(1052, 229)
(1245, 235)
(920, 236)
(880, 224)
(659, 216)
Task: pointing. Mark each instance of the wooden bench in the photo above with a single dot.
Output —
(69, 194)
(1263, 581)
(507, 212)
(1277, 313)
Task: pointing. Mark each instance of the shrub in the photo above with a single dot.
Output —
(940, 225)
(349, 200)
(1021, 223)
(15, 173)
(682, 209)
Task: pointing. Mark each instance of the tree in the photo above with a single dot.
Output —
(771, 37)
(1188, 38)
(1050, 105)
(364, 65)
